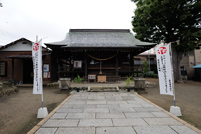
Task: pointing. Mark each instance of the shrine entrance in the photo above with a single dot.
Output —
(97, 55)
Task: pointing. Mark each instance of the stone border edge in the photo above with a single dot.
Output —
(35, 128)
(173, 116)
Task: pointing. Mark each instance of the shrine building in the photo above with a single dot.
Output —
(100, 55)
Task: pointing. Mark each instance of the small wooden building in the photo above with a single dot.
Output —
(16, 62)
(96, 54)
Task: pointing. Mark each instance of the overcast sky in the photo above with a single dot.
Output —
(52, 19)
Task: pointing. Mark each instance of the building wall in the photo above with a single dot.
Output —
(189, 60)
(198, 56)
(19, 64)
(149, 58)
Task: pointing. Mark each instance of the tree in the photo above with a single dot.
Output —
(177, 21)
(145, 67)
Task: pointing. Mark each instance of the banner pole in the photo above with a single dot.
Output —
(172, 74)
(41, 70)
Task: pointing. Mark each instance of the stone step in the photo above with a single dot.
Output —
(103, 89)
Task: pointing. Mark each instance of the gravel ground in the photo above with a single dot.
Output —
(188, 98)
(19, 111)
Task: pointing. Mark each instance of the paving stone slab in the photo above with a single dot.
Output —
(80, 115)
(137, 102)
(129, 122)
(80, 97)
(61, 123)
(133, 95)
(130, 105)
(147, 105)
(160, 114)
(96, 97)
(59, 115)
(113, 97)
(117, 102)
(131, 98)
(110, 115)
(76, 102)
(108, 105)
(67, 110)
(162, 121)
(139, 99)
(154, 130)
(121, 109)
(96, 102)
(46, 131)
(147, 109)
(77, 95)
(139, 114)
(96, 110)
(183, 130)
(80, 106)
(77, 130)
(115, 130)
(68, 105)
(95, 122)
(123, 94)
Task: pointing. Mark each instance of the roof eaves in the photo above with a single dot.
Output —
(14, 42)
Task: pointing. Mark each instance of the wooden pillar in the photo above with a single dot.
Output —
(54, 66)
(73, 59)
(131, 59)
(85, 71)
(117, 66)
(12, 72)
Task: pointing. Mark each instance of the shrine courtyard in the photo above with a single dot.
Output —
(111, 113)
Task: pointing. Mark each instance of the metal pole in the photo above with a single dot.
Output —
(41, 69)
(172, 75)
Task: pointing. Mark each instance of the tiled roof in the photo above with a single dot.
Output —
(100, 38)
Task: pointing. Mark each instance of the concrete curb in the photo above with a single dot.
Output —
(34, 129)
(171, 115)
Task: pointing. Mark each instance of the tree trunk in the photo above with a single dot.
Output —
(176, 60)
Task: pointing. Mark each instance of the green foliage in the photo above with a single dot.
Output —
(169, 20)
(128, 80)
(145, 66)
(150, 74)
(78, 79)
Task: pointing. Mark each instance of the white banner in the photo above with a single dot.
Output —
(165, 73)
(37, 67)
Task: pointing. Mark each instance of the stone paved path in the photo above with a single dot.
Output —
(111, 113)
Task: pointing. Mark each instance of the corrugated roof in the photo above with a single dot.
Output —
(100, 38)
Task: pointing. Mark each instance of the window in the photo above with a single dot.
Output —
(3, 68)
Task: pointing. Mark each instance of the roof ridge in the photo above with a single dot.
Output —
(100, 30)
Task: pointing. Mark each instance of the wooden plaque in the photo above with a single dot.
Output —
(102, 78)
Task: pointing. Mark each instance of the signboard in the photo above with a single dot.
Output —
(46, 67)
(45, 74)
(37, 67)
(77, 64)
(165, 73)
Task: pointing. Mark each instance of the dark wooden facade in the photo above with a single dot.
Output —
(110, 60)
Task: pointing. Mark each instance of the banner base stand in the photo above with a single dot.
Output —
(42, 112)
(175, 110)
